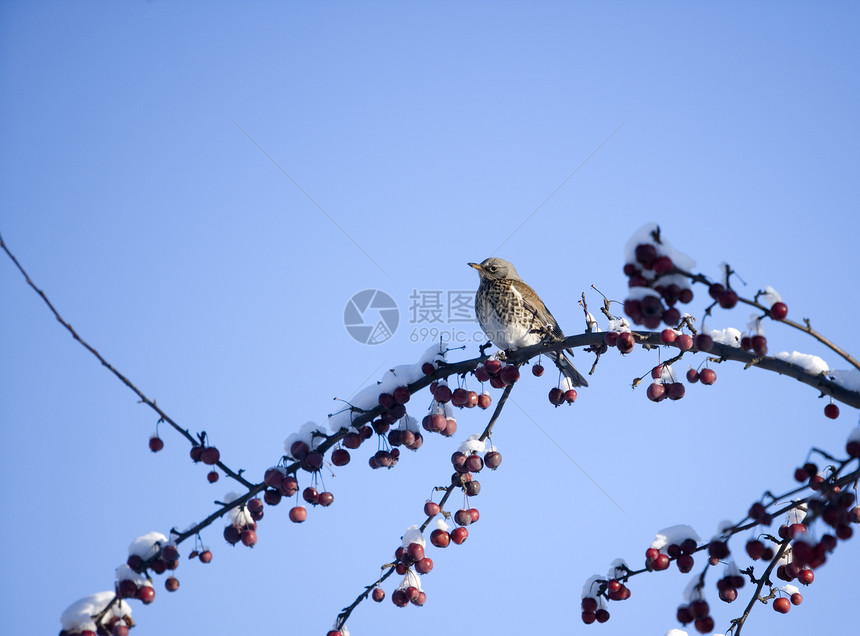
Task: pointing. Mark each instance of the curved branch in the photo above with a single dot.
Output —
(806, 328)
(649, 339)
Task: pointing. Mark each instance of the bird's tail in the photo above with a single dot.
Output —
(567, 368)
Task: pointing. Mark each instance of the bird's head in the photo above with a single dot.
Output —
(496, 269)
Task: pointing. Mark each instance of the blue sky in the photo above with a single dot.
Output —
(200, 192)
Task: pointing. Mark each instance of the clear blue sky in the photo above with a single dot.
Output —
(136, 188)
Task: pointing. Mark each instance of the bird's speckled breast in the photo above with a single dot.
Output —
(502, 314)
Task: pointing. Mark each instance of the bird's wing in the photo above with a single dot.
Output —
(534, 304)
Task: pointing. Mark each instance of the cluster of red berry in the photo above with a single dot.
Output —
(243, 526)
(647, 308)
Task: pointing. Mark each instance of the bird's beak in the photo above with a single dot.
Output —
(476, 266)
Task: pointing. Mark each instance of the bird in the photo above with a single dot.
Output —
(512, 315)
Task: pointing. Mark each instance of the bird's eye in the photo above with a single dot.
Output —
(493, 268)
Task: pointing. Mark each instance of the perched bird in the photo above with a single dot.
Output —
(513, 315)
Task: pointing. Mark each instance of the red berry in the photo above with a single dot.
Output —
(378, 594)
(661, 562)
(755, 549)
(672, 316)
(399, 598)
(715, 289)
(625, 342)
(249, 538)
(169, 553)
(210, 455)
(146, 594)
(704, 342)
(205, 556)
(718, 549)
(232, 534)
(685, 563)
(493, 366)
(212, 476)
(299, 449)
(537, 370)
(484, 400)
(806, 576)
(589, 604)
(155, 443)
(831, 411)
(427, 368)
(779, 311)
(509, 374)
(601, 615)
(401, 395)
(570, 396)
(782, 605)
(796, 598)
(273, 478)
(727, 299)
(440, 538)
(415, 551)
(588, 617)
(171, 584)
(460, 397)
(459, 535)
(684, 342)
(667, 336)
(298, 514)
(759, 345)
(844, 531)
(656, 392)
(126, 589)
(431, 509)
(325, 498)
(707, 376)
(686, 295)
(692, 376)
(340, 457)
(663, 265)
(676, 391)
(492, 459)
(471, 399)
(704, 625)
(556, 396)
(462, 517)
(853, 448)
(699, 608)
(646, 254)
(442, 393)
(474, 463)
(290, 486)
(423, 566)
